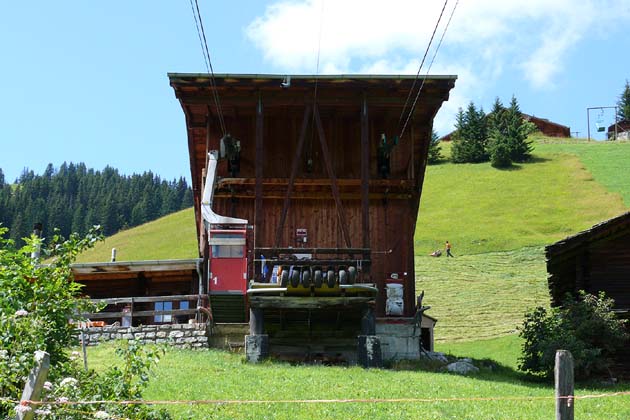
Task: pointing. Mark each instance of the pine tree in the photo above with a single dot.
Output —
(517, 131)
(498, 141)
(435, 150)
(623, 104)
(471, 136)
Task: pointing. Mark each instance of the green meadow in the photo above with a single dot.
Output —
(498, 222)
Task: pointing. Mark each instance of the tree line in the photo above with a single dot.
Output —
(499, 137)
(73, 198)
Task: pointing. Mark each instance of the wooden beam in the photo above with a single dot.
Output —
(259, 173)
(365, 174)
(319, 196)
(294, 168)
(111, 315)
(145, 299)
(320, 251)
(289, 302)
(333, 178)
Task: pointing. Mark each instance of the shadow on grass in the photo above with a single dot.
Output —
(537, 159)
(492, 371)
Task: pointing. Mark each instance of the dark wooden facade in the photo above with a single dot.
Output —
(548, 128)
(621, 129)
(340, 198)
(597, 259)
(139, 279)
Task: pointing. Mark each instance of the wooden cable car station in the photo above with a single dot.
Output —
(306, 204)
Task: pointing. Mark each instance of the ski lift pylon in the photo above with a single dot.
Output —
(600, 121)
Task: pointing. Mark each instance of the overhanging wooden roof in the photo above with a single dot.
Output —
(339, 94)
(606, 229)
(131, 269)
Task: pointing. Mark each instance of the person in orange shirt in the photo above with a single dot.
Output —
(448, 250)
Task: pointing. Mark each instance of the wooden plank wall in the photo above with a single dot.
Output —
(392, 216)
(610, 270)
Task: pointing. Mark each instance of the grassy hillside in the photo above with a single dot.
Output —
(192, 375)
(483, 295)
(481, 209)
(608, 162)
(170, 237)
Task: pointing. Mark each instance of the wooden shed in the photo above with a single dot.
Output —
(311, 172)
(547, 127)
(142, 292)
(597, 259)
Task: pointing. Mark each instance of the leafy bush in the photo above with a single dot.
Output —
(37, 304)
(586, 326)
(117, 383)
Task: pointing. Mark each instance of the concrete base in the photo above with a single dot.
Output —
(256, 347)
(369, 351)
(399, 341)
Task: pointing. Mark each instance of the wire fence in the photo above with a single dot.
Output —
(316, 401)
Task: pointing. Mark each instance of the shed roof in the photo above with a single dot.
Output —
(616, 225)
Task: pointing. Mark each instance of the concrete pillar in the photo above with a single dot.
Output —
(369, 351)
(256, 347)
(368, 322)
(256, 321)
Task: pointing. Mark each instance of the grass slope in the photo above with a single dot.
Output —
(484, 295)
(481, 209)
(608, 161)
(193, 375)
(170, 237)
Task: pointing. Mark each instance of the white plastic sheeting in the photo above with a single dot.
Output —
(209, 216)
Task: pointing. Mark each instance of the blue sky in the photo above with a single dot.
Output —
(85, 81)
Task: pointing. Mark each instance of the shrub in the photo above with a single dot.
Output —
(586, 326)
(118, 383)
(36, 303)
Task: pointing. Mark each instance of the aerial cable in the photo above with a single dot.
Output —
(319, 48)
(206, 55)
(426, 52)
(413, 106)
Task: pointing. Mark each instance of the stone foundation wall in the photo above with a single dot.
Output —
(178, 335)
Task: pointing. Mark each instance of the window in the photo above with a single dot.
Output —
(163, 306)
(183, 304)
(227, 251)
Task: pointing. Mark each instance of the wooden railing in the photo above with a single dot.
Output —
(131, 301)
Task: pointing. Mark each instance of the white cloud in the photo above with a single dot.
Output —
(485, 38)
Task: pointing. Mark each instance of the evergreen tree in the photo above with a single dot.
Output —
(623, 104)
(74, 198)
(471, 136)
(435, 150)
(498, 140)
(517, 131)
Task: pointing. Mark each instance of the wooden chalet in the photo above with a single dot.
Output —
(310, 171)
(619, 131)
(545, 126)
(595, 260)
(142, 292)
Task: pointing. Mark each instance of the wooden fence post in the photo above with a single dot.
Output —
(35, 383)
(564, 385)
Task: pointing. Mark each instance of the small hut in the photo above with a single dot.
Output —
(595, 260)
